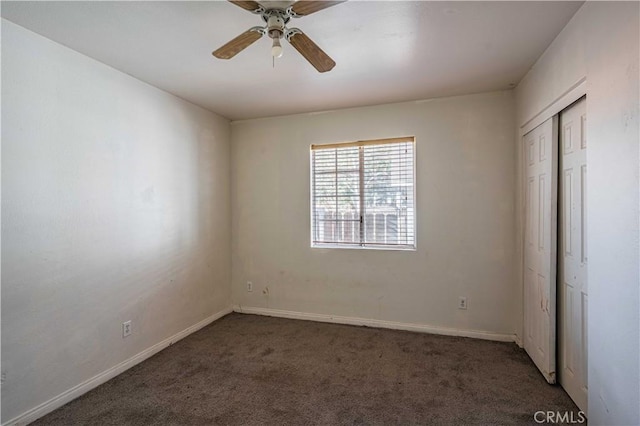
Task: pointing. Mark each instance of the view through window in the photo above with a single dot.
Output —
(363, 194)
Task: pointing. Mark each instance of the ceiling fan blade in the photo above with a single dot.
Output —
(311, 52)
(249, 5)
(307, 7)
(238, 44)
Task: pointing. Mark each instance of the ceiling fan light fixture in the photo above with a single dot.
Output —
(276, 49)
(276, 17)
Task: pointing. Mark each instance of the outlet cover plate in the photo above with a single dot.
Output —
(462, 303)
(126, 328)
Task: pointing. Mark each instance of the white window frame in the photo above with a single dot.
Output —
(362, 245)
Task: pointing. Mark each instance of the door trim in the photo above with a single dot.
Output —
(570, 96)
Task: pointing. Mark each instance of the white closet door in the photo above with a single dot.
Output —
(572, 268)
(540, 246)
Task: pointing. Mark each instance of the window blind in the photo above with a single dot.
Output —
(363, 194)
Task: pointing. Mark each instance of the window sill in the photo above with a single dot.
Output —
(358, 247)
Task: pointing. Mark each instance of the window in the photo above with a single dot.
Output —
(363, 194)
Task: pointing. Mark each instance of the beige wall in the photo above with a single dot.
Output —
(115, 207)
(465, 217)
(601, 44)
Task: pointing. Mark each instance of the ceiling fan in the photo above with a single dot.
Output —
(276, 19)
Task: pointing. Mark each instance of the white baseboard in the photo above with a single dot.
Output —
(421, 328)
(518, 340)
(84, 387)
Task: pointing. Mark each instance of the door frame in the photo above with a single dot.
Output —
(573, 94)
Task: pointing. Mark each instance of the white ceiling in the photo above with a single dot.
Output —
(386, 51)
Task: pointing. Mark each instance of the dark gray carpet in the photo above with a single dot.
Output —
(247, 369)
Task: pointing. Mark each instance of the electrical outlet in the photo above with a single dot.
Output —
(126, 328)
(462, 303)
(249, 286)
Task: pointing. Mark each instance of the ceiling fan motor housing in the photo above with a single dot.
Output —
(275, 26)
